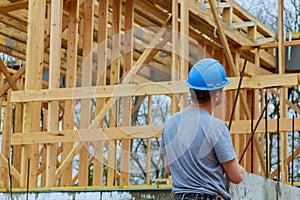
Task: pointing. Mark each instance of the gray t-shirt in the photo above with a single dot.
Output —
(196, 143)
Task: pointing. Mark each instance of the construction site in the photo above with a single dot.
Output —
(86, 86)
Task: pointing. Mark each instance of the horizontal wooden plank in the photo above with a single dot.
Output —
(264, 40)
(219, 5)
(269, 45)
(244, 126)
(87, 135)
(100, 91)
(242, 24)
(150, 88)
(264, 81)
(137, 132)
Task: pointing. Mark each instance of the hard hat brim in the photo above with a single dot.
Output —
(208, 88)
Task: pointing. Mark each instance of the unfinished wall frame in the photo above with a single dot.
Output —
(115, 57)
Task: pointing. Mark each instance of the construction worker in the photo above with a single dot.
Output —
(197, 146)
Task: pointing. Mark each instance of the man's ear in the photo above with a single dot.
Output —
(217, 95)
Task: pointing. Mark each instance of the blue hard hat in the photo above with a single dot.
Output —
(207, 74)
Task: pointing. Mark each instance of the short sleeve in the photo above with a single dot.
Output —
(223, 145)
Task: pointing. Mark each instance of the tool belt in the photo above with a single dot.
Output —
(196, 196)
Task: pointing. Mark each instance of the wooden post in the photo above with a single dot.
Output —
(283, 93)
(101, 76)
(222, 36)
(1, 104)
(33, 80)
(256, 113)
(6, 135)
(148, 164)
(227, 14)
(85, 114)
(126, 101)
(175, 53)
(54, 81)
(114, 79)
(43, 151)
(237, 112)
(18, 129)
(68, 120)
(184, 47)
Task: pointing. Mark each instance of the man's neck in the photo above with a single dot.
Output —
(206, 107)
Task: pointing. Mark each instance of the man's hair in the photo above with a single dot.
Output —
(201, 96)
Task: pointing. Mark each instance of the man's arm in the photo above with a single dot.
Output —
(234, 171)
(167, 166)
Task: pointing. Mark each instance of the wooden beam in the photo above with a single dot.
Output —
(283, 92)
(238, 127)
(85, 114)
(184, 48)
(227, 14)
(68, 160)
(101, 80)
(148, 150)
(18, 123)
(175, 53)
(184, 39)
(253, 70)
(13, 22)
(33, 80)
(7, 75)
(126, 102)
(243, 126)
(68, 119)
(54, 81)
(12, 52)
(12, 33)
(87, 135)
(219, 5)
(15, 77)
(114, 79)
(223, 37)
(14, 171)
(237, 25)
(6, 137)
(149, 88)
(4, 8)
(269, 45)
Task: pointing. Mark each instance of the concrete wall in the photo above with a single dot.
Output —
(257, 187)
(254, 187)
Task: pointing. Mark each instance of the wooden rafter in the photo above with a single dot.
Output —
(13, 6)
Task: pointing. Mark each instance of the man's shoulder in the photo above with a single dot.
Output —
(174, 118)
